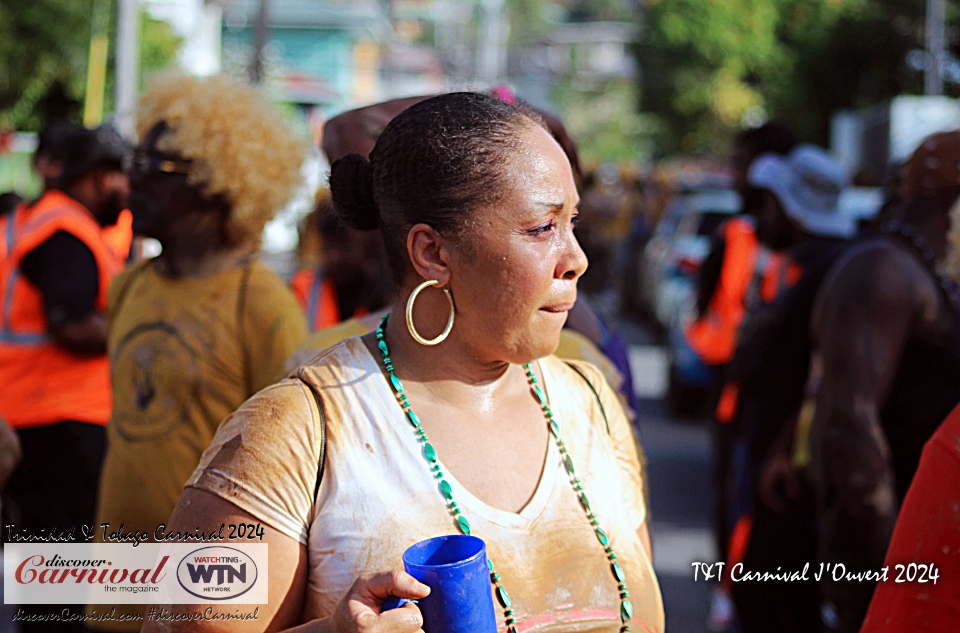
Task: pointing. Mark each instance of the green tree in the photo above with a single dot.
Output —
(44, 46)
(599, 112)
(710, 66)
(859, 61)
(604, 121)
(159, 46)
(42, 54)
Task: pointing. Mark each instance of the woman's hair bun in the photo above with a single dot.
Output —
(351, 187)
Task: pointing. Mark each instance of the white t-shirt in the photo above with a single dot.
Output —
(378, 496)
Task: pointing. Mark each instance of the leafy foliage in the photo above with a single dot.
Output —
(710, 66)
(42, 54)
(604, 121)
(43, 57)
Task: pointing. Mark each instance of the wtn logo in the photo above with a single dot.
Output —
(217, 573)
(225, 573)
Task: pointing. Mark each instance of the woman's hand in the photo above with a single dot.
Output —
(359, 611)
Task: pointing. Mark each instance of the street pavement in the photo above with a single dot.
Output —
(679, 473)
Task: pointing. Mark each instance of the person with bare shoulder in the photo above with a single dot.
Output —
(888, 328)
(453, 416)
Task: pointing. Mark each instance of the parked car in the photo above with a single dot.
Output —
(671, 267)
(671, 260)
(660, 212)
(690, 381)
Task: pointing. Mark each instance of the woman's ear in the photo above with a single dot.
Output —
(428, 253)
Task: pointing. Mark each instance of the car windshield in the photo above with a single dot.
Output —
(706, 210)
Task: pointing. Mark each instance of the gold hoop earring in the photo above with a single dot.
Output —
(413, 330)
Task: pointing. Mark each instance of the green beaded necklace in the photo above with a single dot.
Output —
(626, 608)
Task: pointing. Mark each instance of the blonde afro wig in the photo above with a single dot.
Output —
(241, 147)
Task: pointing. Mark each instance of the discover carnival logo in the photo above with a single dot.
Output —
(217, 573)
(150, 573)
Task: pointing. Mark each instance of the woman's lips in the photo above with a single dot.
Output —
(558, 308)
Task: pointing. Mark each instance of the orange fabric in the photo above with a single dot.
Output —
(773, 282)
(318, 298)
(40, 383)
(737, 547)
(926, 535)
(727, 406)
(119, 237)
(775, 279)
(326, 311)
(714, 335)
(300, 283)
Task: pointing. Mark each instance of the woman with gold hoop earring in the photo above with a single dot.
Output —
(487, 433)
(412, 328)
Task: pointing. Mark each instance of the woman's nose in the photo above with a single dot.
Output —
(574, 262)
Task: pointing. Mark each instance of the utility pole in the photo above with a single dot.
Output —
(259, 41)
(97, 65)
(935, 28)
(128, 64)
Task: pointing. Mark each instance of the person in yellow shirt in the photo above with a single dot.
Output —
(203, 326)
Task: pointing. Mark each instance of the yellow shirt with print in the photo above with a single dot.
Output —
(184, 354)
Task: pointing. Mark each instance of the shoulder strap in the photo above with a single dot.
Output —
(596, 394)
(322, 461)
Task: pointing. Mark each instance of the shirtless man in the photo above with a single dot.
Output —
(888, 328)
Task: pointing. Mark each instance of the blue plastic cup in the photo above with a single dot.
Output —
(455, 569)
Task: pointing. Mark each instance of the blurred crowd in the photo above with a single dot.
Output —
(836, 342)
(836, 345)
(831, 336)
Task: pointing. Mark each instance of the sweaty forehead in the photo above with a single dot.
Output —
(539, 167)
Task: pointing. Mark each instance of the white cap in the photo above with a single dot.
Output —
(807, 182)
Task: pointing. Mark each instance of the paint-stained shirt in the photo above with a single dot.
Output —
(184, 354)
(377, 495)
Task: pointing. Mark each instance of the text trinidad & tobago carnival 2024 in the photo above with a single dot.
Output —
(83, 533)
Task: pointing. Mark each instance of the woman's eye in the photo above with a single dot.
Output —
(575, 220)
(543, 228)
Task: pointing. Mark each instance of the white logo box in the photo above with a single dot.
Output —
(150, 573)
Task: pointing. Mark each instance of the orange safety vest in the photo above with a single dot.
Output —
(40, 382)
(119, 237)
(714, 335)
(778, 275)
(318, 298)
